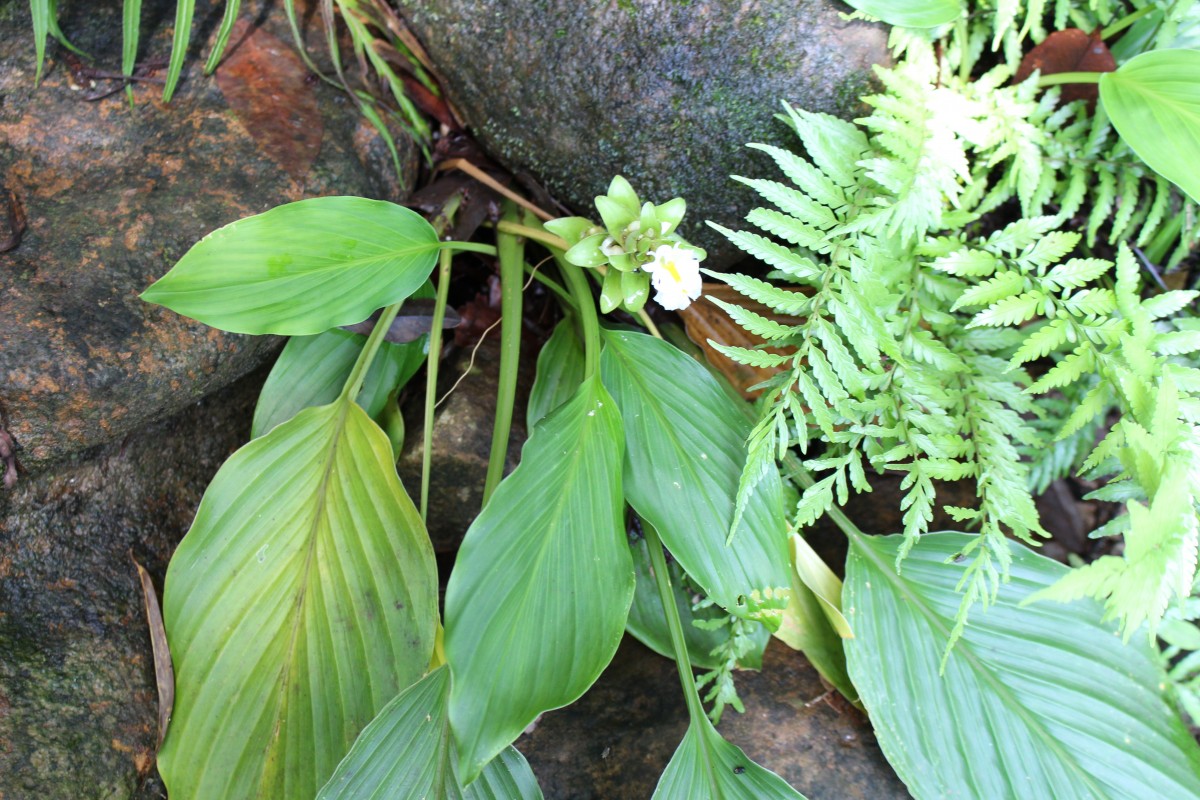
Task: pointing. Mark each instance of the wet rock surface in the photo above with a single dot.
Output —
(78, 704)
(663, 92)
(462, 437)
(112, 197)
(615, 742)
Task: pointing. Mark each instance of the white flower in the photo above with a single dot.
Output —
(675, 274)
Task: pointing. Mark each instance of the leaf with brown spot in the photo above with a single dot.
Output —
(1070, 50)
(266, 85)
(164, 674)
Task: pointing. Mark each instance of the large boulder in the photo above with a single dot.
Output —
(78, 706)
(114, 195)
(663, 92)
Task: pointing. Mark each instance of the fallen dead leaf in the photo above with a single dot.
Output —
(1069, 50)
(705, 320)
(164, 673)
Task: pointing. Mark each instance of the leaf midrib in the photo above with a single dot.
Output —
(310, 272)
(963, 647)
(302, 591)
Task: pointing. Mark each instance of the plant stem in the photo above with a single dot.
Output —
(649, 323)
(512, 268)
(1059, 78)
(358, 374)
(552, 285)
(536, 234)
(587, 314)
(469, 247)
(674, 624)
(1126, 21)
(431, 374)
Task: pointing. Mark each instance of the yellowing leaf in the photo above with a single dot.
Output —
(302, 600)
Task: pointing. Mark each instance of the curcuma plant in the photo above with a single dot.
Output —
(302, 604)
(941, 306)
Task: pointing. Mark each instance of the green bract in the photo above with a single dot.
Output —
(624, 244)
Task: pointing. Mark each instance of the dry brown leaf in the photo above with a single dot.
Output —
(164, 673)
(1070, 50)
(705, 320)
(266, 84)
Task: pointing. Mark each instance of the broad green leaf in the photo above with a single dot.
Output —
(302, 600)
(184, 10)
(647, 624)
(301, 268)
(685, 446)
(537, 601)
(1153, 101)
(911, 13)
(706, 766)
(311, 371)
(407, 752)
(1041, 701)
(559, 373)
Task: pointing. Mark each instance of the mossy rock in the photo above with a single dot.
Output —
(664, 92)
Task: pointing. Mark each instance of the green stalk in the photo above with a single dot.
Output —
(1126, 21)
(537, 234)
(512, 270)
(1068, 77)
(587, 313)
(674, 624)
(470, 247)
(358, 374)
(431, 374)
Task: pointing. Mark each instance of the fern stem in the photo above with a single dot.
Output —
(1126, 21)
(804, 479)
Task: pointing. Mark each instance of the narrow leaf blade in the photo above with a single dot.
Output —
(406, 752)
(1153, 101)
(705, 765)
(684, 440)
